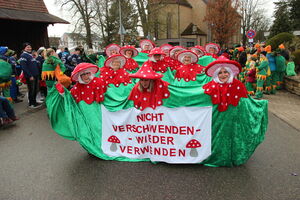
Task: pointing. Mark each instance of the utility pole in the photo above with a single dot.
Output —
(122, 31)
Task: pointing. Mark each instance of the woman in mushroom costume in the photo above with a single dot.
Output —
(88, 88)
(129, 52)
(188, 69)
(112, 49)
(224, 89)
(114, 72)
(199, 50)
(166, 49)
(156, 60)
(174, 63)
(150, 90)
(212, 49)
(146, 46)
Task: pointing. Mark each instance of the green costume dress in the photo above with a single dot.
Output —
(280, 67)
(261, 76)
(52, 70)
(5, 81)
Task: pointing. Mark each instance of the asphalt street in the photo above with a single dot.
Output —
(37, 164)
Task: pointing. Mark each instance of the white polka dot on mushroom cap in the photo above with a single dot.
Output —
(136, 96)
(101, 96)
(98, 88)
(160, 86)
(238, 88)
(82, 92)
(117, 85)
(106, 72)
(236, 96)
(75, 87)
(142, 72)
(213, 86)
(121, 76)
(215, 96)
(191, 69)
(166, 94)
(194, 79)
(186, 79)
(229, 85)
(159, 102)
(144, 98)
(228, 94)
(93, 93)
(183, 71)
(88, 86)
(94, 81)
(88, 98)
(156, 75)
(136, 106)
(149, 71)
(207, 90)
(221, 85)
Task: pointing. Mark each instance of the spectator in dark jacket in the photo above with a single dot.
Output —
(31, 73)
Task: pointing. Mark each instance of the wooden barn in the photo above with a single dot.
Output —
(25, 21)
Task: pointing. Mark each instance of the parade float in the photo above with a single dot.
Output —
(185, 126)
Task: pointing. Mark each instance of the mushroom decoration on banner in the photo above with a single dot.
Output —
(114, 141)
(193, 145)
(150, 90)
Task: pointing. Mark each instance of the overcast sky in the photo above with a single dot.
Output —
(58, 29)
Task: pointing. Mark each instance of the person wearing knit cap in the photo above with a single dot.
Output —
(156, 60)
(114, 72)
(146, 46)
(150, 90)
(224, 89)
(174, 63)
(261, 75)
(189, 68)
(112, 49)
(88, 88)
(129, 52)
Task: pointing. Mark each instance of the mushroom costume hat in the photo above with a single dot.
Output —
(146, 42)
(214, 46)
(111, 47)
(90, 92)
(131, 64)
(152, 96)
(188, 72)
(224, 94)
(160, 65)
(166, 47)
(173, 62)
(117, 77)
(198, 48)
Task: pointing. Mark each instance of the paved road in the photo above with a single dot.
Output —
(37, 164)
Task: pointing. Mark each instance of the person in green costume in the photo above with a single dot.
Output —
(129, 52)
(5, 73)
(280, 67)
(53, 69)
(261, 74)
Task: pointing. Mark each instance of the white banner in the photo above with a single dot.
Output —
(172, 135)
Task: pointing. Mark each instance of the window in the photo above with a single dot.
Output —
(190, 44)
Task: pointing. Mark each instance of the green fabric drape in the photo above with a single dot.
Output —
(235, 133)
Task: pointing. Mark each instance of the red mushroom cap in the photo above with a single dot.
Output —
(113, 139)
(193, 144)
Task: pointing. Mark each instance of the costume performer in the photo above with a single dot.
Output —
(261, 74)
(53, 70)
(174, 63)
(156, 60)
(129, 52)
(112, 49)
(212, 49)
(114, 72)
(224, 89)
(146, 46)
(189, 68)
(150, 90)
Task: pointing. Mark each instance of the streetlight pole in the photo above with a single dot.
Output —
(121, 31)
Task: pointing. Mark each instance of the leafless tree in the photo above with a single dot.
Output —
(84, 13)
